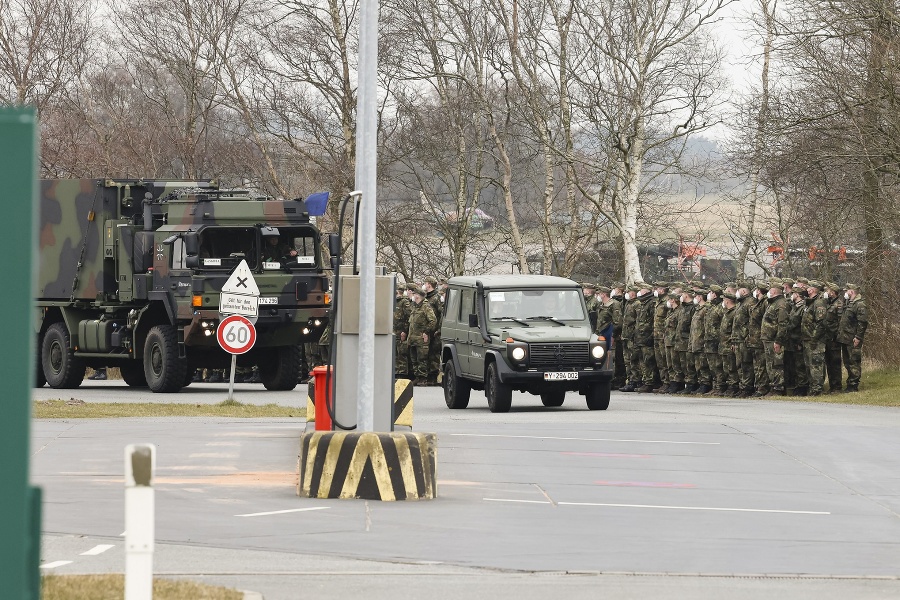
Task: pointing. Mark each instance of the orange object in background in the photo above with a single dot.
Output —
(324, 384)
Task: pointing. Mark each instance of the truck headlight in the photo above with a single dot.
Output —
(518, 353)
(598, 352)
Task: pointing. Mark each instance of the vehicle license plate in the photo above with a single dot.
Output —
(560, 376)
(268, 300)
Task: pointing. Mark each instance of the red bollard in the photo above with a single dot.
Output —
(323, 382)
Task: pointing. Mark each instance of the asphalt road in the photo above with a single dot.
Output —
(658, 496)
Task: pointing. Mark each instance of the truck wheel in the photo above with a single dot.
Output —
(598, 396)
(554, 398)
(133, 373)
(62, 369)
(40, 380)
(456, 389)
(163, 369)
(499, 395)
(282, 372)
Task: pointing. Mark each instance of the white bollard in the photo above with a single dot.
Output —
(140, 463)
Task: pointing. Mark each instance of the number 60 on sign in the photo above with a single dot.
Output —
(236, 334)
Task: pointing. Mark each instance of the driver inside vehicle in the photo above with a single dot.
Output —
(275, 250)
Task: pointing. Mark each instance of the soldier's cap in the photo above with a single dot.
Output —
(717, 289)
(852, 286)
(729, 295)
(832, 286)
(588, 285)
(603, 289)
(431, 280)
(730, 284)
(701, 291)
(762, 285)
(645, 286)
(411, 287)
(672, 295)
(633, 288)
(661, 284)
(787, 281)
(804, 281)
(743, 283)
(776, 282)
(816, 284)
(417, 290)
(618, 285)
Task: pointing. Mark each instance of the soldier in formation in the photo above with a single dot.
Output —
(418, 312)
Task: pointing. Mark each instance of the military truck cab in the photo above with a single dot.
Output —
(529, 333)
(131, 273)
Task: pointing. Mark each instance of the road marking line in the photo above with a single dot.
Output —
(547, 437)
(98, 549)
(518, 501)
(213, 455)
(756, 510)
(281, 512)
(56, 563)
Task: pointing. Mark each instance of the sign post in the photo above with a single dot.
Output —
(240, 300)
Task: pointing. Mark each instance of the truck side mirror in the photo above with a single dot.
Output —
(473, 320)
(192, 243)
(334, 244)
(192, 262)
(334, 263)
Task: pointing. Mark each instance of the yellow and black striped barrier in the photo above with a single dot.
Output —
(370, 466)
(403, 402)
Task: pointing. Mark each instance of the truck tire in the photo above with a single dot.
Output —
(62, 369)
(40, 380)
(133, 373)
(554, 398)
(499, 395)
(597, 396)
(456, 389)
(163, 369)
(281, 373)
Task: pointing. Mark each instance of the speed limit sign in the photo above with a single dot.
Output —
(236, 334)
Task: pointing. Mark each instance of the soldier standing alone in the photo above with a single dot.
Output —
(422, 323)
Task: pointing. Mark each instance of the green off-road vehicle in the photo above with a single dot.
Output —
(529, 333)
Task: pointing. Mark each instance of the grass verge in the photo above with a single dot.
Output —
(879, 387)
(79, 409)
(112, 587)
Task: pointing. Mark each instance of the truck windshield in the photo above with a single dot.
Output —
(226, 247)
(549, 305)
(291, 248)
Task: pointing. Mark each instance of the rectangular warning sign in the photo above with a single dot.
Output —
(238, 304)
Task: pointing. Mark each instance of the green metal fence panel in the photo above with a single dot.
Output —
(19, 502)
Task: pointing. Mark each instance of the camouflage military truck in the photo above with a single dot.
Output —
(530, 333)
(131, 272)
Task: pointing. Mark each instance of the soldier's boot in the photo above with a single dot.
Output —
(198, 376)
(644, 389)
(687, 390)
(631, 387)
(662, 388)
(746, 392)
(774, 392)
(676, 387)
(801, 391)
(713, 391)
(835, 390)
(760, 393)
(701, 390)
(851, 388)
(254, 377)
(99, 375)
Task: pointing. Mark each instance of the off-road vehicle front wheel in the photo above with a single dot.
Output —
(499, 395)
(456, 389)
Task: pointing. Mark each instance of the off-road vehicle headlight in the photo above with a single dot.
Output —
(598, 352)
(518, 353)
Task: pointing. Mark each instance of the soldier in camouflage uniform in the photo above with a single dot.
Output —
(685, 375)
(796, 380)
(422, 323)
(591, 302)
(754, 341)
(814, 328)
(740, 333)
(696, 348)
(774, 334)
(434, 336)
(726, 348)
(644, 338)
(617, 295)
(673, 304)
(402, 311)
(711, 324)
(851, 334)
(660, 312)
(609, 312)
(629, 327)
(832, 347)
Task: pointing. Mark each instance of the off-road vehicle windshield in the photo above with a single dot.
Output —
(553, 306)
